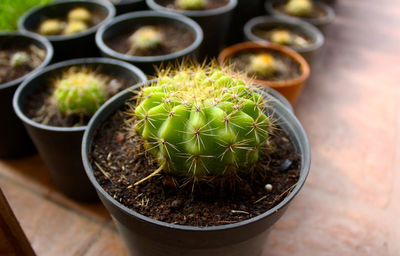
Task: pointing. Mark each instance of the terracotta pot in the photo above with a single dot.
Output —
(289, 88)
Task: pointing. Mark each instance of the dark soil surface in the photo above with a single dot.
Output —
(7, 71)
(96, 18)
(213, 4)
(287, 68)
(299, 39)
(176, 38)
(119, 160)
(316, 13)
(40, 109)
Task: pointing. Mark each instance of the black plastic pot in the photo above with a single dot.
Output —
(145, 236)
(126, 6)
(60, 147)
(14, 141)
(68, 46)
(318, 22)
(305, 28)
(245, 10)
(215, 24)
(127, 21)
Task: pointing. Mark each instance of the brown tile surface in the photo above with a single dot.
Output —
(351, 112)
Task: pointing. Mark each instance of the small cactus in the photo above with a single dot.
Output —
(145, 38)
(51, 27)
(299, 7)
(19, 59)
(202, 122)
(74, 27)
(281, 36)
(79, 92)
(79, 14)
(263, 64)
(191, 4)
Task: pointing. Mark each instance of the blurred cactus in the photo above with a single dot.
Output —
(299, 7)
(74, 27)
(263, 64)
(281, 36)
(146, 38)
(51, 27)
(79, 92)
(19, 59)
(191, 4)
(202, 122)
(79, 14)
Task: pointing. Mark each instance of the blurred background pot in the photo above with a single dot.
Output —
(292, 88)
(269, 22)
(126, 22)
(68, 46)
(59, 147)
(214, 22)
(14, 141)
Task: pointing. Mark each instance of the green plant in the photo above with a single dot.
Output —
(19, 59)
(79, 14)
(299, 7)
(50, 27)
(202, 122)
(191, 4)
(75, 26)
(79, 92)
(146, 38)
(11, 10)
(263, 64)
(281, 36)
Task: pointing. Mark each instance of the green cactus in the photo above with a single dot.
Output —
(50, 27)
(79, 14)
(299, 7)
(281, 36)
(19, 59)
(191, 4)
(263, 64)
(145, 38)
(202, 122)
(79, 93)
(74, 27)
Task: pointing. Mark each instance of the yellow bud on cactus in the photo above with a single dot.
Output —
(50, 27)
(191, 4)
(145, 38)
(19, 59)
(299, 7)
(74, 27)
(79, 93)
(281, 36)
(79, 14)
(263, 64)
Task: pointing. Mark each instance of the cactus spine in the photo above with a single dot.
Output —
(79, 92)
(202, 122)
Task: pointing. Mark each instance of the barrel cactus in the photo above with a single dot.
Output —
(263, 64)
(191, 4)
(202, 122)
(74, 27)
(79, 92)
(299, 7)
(51, 27)
(146, 38)
(79, 14)
(281, 36)
(19, 59)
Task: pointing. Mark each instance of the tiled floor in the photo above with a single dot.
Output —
(351, 201)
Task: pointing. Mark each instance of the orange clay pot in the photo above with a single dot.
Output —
(289, 88)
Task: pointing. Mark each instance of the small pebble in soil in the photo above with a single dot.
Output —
(268, 187)
(285, 165)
